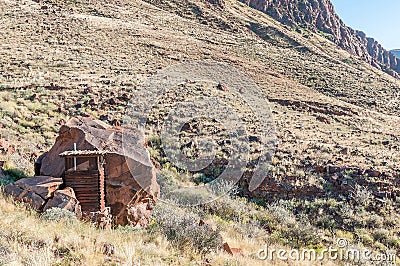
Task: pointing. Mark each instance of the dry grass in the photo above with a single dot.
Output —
(54, 61)
(28, 240)
(144, 38)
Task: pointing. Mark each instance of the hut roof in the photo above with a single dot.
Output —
(82, 153)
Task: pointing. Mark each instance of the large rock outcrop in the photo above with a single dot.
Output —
(320, 15)
(129, 171)
(44, 192)
(44, 186)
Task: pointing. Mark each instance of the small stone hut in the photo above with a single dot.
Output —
(103, 171)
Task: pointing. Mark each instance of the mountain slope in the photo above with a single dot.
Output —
(396, 52)
(96, 54)
(320, 16)
(60, 59)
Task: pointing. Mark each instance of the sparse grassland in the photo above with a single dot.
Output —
(61, 59)
(175, 236)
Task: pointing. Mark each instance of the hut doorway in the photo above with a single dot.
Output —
(84, 173)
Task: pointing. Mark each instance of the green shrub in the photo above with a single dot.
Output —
(11, 175)
(281, 213)
(15, 173)
(361, 196)
(301, 234)
(230, 209)
(385, 237)
(381, 235)
(364, 236)
(57, 214)
(182, 229)
(347, 61)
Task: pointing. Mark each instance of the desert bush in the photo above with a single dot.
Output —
(251, 229)
(381, 235)
(348, 215)
(282, 213)
(361, 196)
(12, 175)
(385, 237)
(154, 141)
(230, 209)
(185, 197)
(58, 214)
(300, 233)
(182, 229)
(374, 221)
(295, 230)
(391, 221)
(364, 236)
(199, 178)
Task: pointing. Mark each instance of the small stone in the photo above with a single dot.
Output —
(116, 122)
(106, 117)
(108, 249)
(231, 251)
(113, 101)
(33, 97)
(345, 151)
(333, 169)
(320, 169)
(220, 3)
(222, 87)
(254, 138)
(323, 119)
(93, 101)
(386, 142)
(6, 147)
(374, 173)
(88, 90)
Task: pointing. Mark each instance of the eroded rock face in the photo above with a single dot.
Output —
(13, 190)
(35, 201)
(64, 199)
(128, 169)
(139, 215)
(42, 193)
(320, 15)
(44, 186)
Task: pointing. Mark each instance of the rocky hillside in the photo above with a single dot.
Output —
(334, 174)
(320, 16)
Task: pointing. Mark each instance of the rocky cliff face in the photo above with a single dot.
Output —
(320, 15)
(396, 52)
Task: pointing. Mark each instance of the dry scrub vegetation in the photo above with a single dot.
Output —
(175, 237)
(60, 59)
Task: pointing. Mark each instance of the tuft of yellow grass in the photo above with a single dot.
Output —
(25, 239)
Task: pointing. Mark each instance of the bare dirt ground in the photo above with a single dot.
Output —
(323, 100)
(60, 59)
